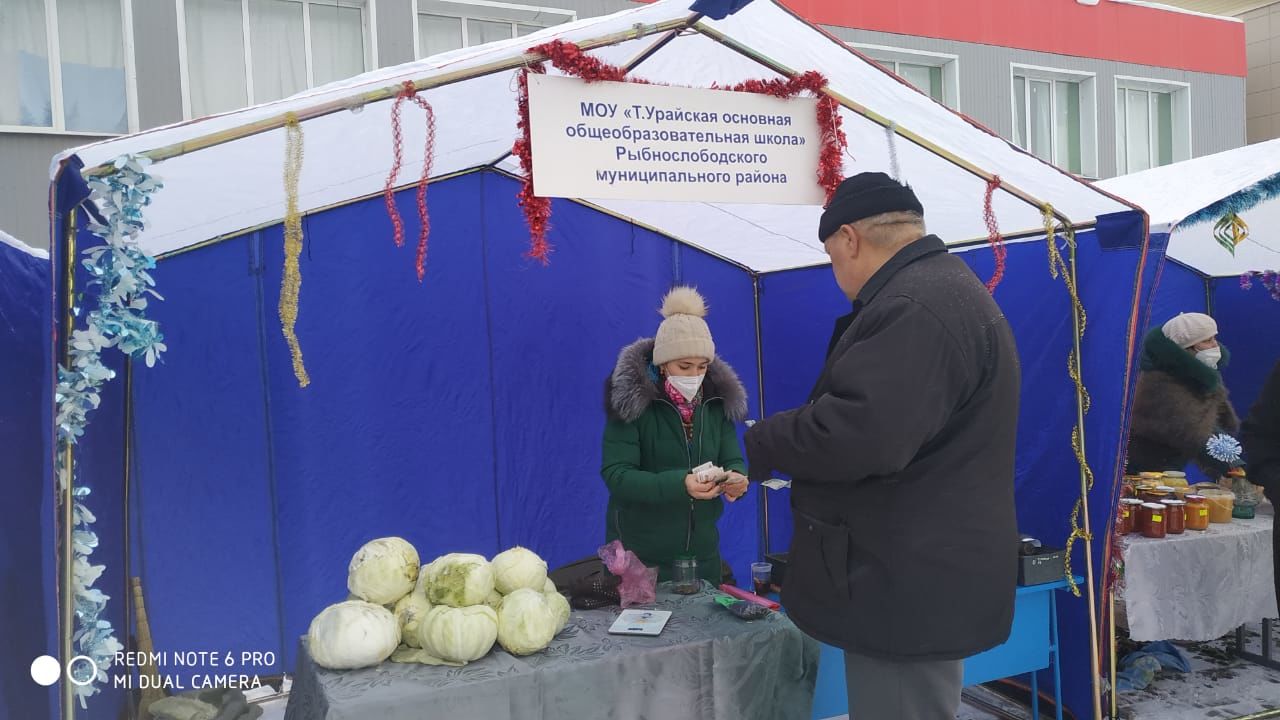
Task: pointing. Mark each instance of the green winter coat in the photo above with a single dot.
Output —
(645, 458)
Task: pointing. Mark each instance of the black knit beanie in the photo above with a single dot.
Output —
(866, 195)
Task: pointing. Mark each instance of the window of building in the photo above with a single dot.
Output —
(65, 65)
(1152, 123)
(445, 25)
(242, 52)
(934, 74)
(1055, 117)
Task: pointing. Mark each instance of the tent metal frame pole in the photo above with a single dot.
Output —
(66, 598)
(1091, 597)
(389, 92)
(1111, 621)
(127, 516)
(875, 117)
(764, 492)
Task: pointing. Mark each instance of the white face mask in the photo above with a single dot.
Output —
(686, 385)
(1210, 357)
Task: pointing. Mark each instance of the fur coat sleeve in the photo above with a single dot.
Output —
(1170, 415)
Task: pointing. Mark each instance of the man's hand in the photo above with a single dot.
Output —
(735, 487)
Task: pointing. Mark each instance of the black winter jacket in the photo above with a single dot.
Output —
(1260, 436)
(902, 466)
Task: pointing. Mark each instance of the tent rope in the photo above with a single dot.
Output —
(291, 278)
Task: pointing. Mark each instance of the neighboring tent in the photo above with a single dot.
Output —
(1184, 201)
(29, 628)
(464, 413)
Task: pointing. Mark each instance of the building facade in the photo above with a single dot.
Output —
(1097, 87)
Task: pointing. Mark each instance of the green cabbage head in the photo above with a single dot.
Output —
(458, 634)
(526, 622)
(459, 580)
(518, 568)
(383, 571)
(353, 634)
(409, 613)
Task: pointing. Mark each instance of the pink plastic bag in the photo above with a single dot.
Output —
(639, 583)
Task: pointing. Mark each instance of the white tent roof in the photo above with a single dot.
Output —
(237, 184)
(13, 242)
(1175, 192)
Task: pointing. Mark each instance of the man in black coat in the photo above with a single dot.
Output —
(1260, 436)
(902, 463)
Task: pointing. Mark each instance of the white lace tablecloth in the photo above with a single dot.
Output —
(1199, 586)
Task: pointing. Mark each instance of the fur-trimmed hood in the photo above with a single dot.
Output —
(1162, 354)
(633, 386)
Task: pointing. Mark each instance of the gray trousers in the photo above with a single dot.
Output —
(888, 690)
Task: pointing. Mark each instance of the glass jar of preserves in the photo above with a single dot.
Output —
(1221, 503)
(1175, 520)
(1129, 515)
(1151, 518)
(1174, 479)
(1124, 519)
(1197, 512)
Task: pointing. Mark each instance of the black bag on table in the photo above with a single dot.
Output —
(590, 585)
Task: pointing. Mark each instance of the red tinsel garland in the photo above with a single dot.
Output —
(571, 60)
(537, 210)
(993, 234)
(409, 92)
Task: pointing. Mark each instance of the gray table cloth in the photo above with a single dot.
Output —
(706, 664)
(1199, 586)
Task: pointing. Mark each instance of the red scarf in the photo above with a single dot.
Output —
(684, 407)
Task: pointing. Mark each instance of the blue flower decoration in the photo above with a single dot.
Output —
(119, 271)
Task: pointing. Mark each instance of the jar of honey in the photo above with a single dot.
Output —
(1197, 512)
(1150, 476)
(1175, 521)
(1174, 479)
(1156, 493)
(1221, 503)
(1151, 518)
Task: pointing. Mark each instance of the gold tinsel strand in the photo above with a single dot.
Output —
(1058, 267)
(291, 282)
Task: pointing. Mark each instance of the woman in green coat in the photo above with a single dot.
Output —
(671, 407)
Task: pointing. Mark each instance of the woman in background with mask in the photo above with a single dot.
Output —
(672, 407)
(1181, 403)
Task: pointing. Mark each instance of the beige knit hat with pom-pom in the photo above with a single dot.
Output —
(683, 334)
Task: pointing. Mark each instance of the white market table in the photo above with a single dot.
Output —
(1200, 585)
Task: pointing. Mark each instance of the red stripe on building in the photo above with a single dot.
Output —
(1108, 31)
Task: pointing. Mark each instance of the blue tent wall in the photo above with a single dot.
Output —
(463, 413)
(1180, 289)
(201, 502)
(1248, 321)
(25, 532)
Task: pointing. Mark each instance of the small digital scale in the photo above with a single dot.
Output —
(640, 622)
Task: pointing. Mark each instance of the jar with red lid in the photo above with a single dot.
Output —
(1197, 512)
(1127, 521)
(1151, 518)
(1175, 520)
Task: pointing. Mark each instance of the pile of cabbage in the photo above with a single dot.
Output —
(448, 612)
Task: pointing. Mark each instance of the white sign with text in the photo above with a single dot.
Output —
(630, 141)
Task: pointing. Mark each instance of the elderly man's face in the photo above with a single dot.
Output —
(844, 247)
